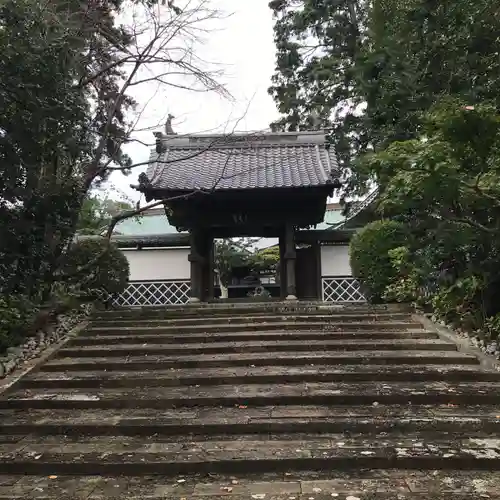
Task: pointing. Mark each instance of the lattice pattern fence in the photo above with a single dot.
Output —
(155, 293)
(160, 293)
(341, 289)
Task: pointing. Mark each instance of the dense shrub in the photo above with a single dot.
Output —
(107, 276)
(16, 316)
(371, 261)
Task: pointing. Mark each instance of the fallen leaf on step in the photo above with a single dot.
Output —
(242, 407)
(317, 490)
(259, 496)
(234, 481)
(181, 480)
(227, 488)
(52, 477)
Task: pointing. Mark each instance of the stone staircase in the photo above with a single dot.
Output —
(262, 402)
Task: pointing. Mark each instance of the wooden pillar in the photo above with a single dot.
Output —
(208, 267)
(290, 256)
(197, 261)
(282, 264)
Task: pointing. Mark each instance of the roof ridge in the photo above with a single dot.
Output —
(251, 145)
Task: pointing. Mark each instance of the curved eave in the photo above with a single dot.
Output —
(152, 193)
(325, 236)
(146, 241)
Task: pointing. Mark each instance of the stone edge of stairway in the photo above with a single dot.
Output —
(463, 343)
(11, 380)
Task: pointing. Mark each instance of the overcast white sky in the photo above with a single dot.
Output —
(243, 45)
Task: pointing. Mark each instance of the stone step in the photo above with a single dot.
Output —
(112, 337)
(206, 421)
(117, 350)
(257, 318)
(340, 485)
(249, 308)
(54, 455)
(154, 362)
(167, 327)
(257, 375)
(355, 393)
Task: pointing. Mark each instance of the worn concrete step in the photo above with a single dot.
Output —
(117, 350)
(113, 337)
(206, 421)
(167, 327)
(257, 318)
(139, 455)
(355, 393)
(249, 308)
(340, 485)
(154, 362)
(257, 375)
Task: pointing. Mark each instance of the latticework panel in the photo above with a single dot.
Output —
(155, 293)
(342, 289)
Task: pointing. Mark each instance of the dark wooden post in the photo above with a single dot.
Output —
(290, 256)
(197, 263)
(208, 267)
(282, 264)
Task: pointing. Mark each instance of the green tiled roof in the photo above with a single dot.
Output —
(156, 223)
(150, 225)
(332, 218)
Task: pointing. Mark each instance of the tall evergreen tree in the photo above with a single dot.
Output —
(367, 71)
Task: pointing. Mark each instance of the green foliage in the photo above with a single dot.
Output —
(56, 129)
(445, 186)
(427, 135)
(237, 252)
(368, 70)
(109, 273)
(315, 83)
(229, 253)
(492, 327)
(265, 260)
(459, 304)
(96, 214)
(371, 261)
(16, 316)
(406, 285)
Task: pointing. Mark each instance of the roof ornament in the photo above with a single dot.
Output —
(168, 125)
(144, 182)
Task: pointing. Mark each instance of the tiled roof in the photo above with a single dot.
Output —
(244, 162)
(333, 218)
(154, 222)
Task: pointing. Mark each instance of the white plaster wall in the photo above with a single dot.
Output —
(335, 261)
(158, 264)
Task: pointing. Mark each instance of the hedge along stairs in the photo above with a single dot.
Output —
(254, 402)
